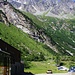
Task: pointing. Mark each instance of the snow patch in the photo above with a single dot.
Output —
(69, 52)
(25, 2)
(18, 1)
(34, 7)
(73, 41)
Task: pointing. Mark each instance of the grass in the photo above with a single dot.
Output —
(57, 35)
(22, 41)
(42, 67)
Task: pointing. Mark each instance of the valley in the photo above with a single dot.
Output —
(43, 40)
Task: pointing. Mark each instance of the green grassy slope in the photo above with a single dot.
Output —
(60, 31)
(33, 50)
(22, 41)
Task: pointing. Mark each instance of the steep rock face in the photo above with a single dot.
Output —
(55, 8)
(16, 18)
(3, 18)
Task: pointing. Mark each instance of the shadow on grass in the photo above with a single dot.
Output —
(27, 73)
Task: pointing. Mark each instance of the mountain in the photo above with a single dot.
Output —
(21, 32)
(54, 8)
(45, 34)
(21, 21)
(27, 41)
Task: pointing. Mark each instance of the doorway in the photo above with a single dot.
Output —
(4, 63)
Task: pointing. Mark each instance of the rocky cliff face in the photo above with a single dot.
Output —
(58, 34)
(3, 18)
(54, 8)
(9, 14)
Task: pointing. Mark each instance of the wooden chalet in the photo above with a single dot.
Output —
(8, 56)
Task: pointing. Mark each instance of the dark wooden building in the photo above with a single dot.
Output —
(8, 56)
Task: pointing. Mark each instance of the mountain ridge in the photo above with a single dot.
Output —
(50, 32)
(54, 8)
(22, 22)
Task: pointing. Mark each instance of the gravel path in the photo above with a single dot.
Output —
(58, 74)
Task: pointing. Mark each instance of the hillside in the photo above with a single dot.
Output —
(27, 45)
(32, 49)
(56, 34)
(61, 32)
(39, 38)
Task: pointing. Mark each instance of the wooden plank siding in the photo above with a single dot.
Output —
(14, 53)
